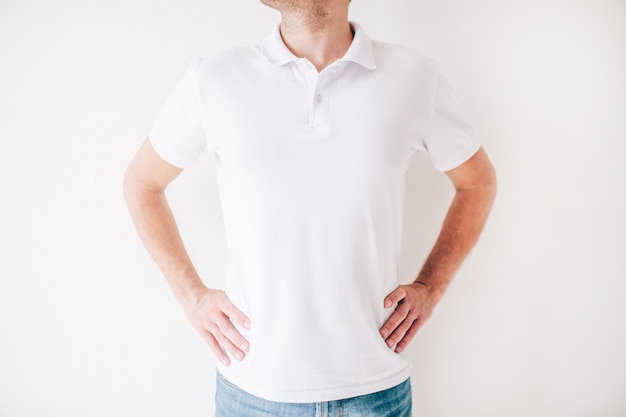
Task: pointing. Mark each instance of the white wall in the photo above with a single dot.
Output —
(534, 324)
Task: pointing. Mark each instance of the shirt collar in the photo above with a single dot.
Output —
(360, 50)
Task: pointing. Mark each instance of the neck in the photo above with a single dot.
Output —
(320, 34)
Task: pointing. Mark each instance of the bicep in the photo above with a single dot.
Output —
(149, 171)
(476, 172)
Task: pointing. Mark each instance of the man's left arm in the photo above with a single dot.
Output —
(475, 184)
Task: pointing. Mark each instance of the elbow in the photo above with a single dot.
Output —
(488, 186)
(491, 185)
(486, 179)
(127, 185)
(131, 186)
(137, 188)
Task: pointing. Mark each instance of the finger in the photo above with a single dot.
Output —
(417, 324)
(394, 321)
(235, 314)
(216, 348)
(395, 297)
(400, 331)
(230, 338)
(231, 333)
(230, 347)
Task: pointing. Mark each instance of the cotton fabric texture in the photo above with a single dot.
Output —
(311, 171)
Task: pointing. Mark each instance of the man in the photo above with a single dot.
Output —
(313, 131)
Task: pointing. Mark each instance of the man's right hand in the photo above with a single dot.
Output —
(209, 311)
(211, 316)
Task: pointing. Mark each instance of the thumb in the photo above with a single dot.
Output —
(394, 297)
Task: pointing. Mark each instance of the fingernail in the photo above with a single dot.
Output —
(390, 343)
(387, 304)
(226, 362)
(245, 347)
(384, 332)
(246, 324)
(239, 355)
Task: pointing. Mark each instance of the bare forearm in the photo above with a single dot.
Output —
(157, 229)
(460, 231)
(209, 311)
(475, 184)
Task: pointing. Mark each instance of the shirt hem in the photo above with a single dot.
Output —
(309, 395)
(167, 154)
(460, 158)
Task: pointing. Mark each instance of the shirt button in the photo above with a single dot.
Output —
(318, 98)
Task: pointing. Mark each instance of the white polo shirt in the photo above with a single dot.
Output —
(311, 170)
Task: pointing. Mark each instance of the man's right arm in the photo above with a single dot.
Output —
(209, 311)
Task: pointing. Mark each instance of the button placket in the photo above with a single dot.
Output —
(312, 77)
(318, 88)
(320, 101)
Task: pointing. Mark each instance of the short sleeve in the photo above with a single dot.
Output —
(450, 138)
(178, 134)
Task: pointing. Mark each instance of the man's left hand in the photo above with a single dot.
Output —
(414, 307)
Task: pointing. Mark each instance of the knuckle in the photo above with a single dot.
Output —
(232, 336)
(222, 322)
(209, 310)
(403, 327)
(212, 342)
(393, 322)
(403, 311)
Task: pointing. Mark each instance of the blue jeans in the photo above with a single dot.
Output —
(231, 401)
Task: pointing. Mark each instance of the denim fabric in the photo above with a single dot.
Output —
(231, 401)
